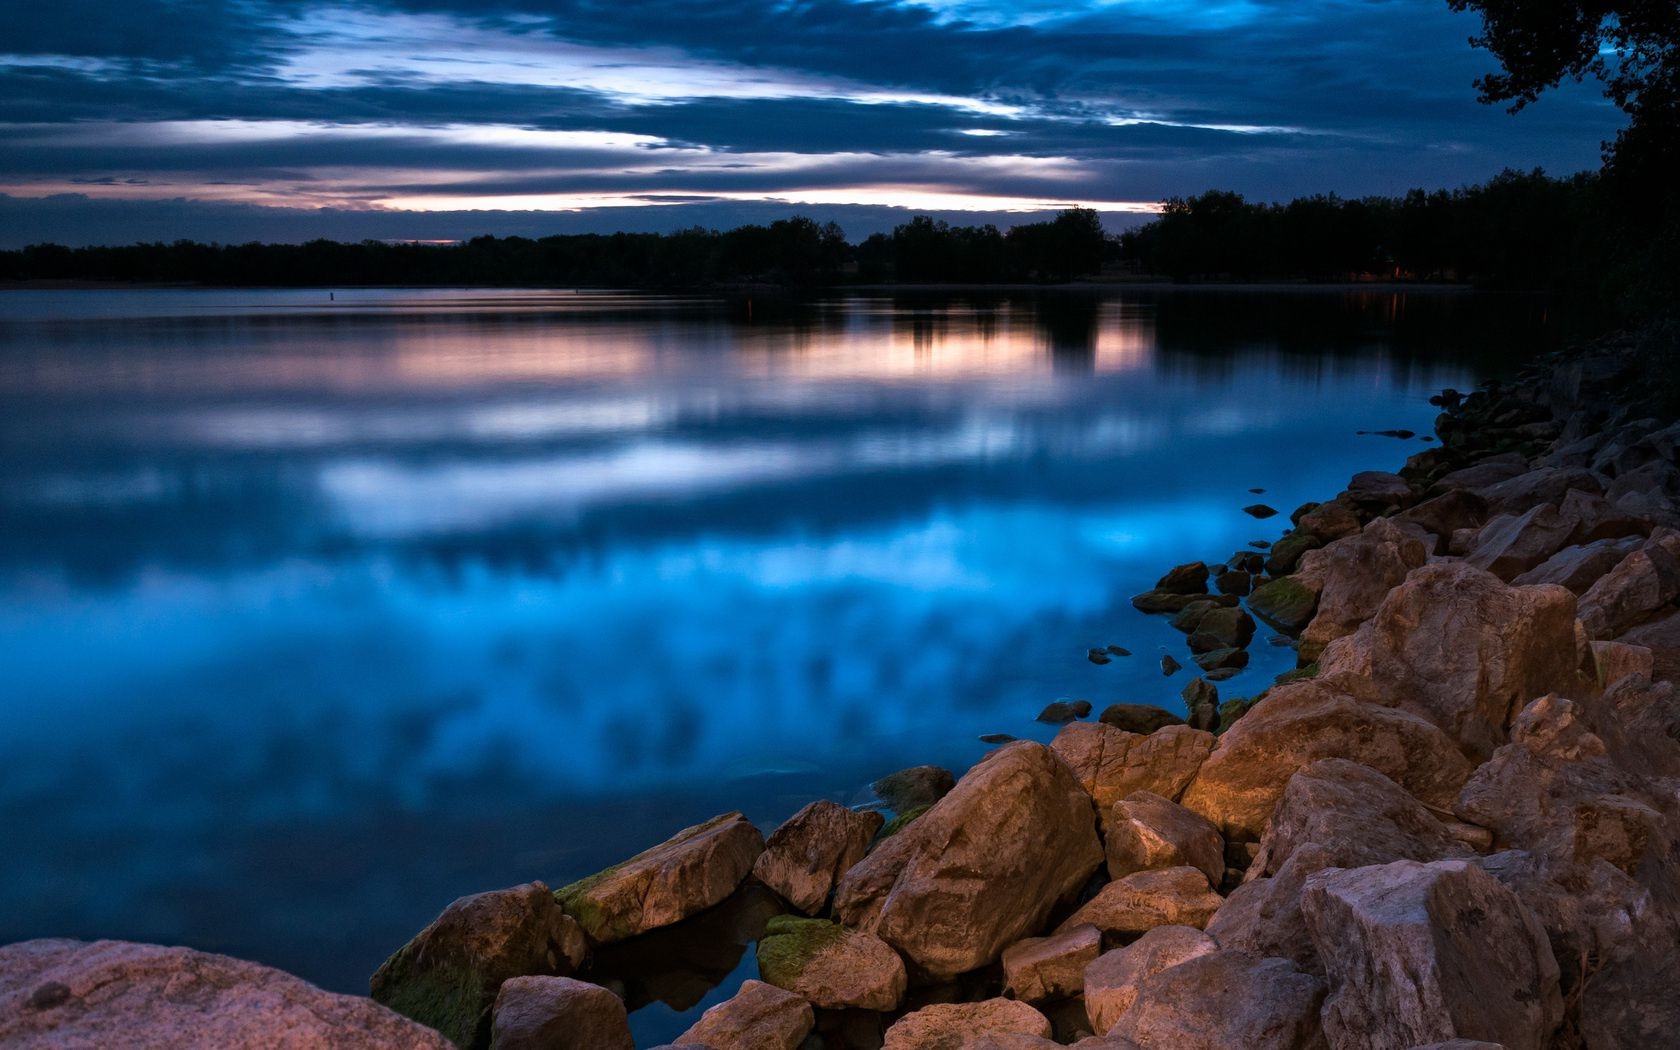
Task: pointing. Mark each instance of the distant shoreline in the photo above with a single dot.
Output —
(725, 290)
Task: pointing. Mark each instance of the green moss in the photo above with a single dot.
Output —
(1231, 710)
(900, 822)
(453, 997)
(1286, 603)
(601, 923)
(790, 943)
(1300, 674)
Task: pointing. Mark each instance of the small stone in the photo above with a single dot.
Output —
(1119, 651)
(1190, 578)
(1223, 674)
(1259, 510)
(1138, 903)
(1222, 658)
(1063, 711)
(1169, 666)
(1110, 983)
(995, 738)
(1257, 492)
(1097, 656)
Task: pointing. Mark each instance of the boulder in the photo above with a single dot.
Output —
(1545, 485)
(1446, 514)
(682, 876)
(1484, 473)
(758, 1017)
(830, 966)
(1222, 659)
(96, 994)
(1286, 553)
(1167, 601)
(1295, 725)
(1642, 583)
(1138, 718)
(981, 869)
(1580, 566)
(1111, 982)
(1110, 763)
(1512, 544)
(1417, 953)
(914, 788)
(558, 1013)
(1136, 904)
(1039, 969)
(1357, 573)
(1329, 521)
(1287, 603)
(1661, 635)
(1061, 712)
(1613, 661)
(955, 1026)
(1461, 648)
(1377, 489)
(1223, 1000)
(1234, 581)
(803, 858)
(1201, 701)
(1147, 831)
(446, 977)
(1222, 629)
(1190, 578)
(1262, 917)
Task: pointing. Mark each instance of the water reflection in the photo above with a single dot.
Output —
(318, 615)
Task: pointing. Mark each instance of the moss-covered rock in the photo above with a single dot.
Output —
(832, 967)
(1300, 674)
(1233, 709)
(900, 822)
(1286, 553)
(1286, 603)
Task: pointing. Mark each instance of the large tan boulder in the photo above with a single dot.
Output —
(58, 994)
(804, 857)
(1297, 724)
(1463, 649)
(981, 869)
(682, 876)
(1645, 581)
(956, 1026)
(1223, 1000)
(758, 1017)
(1146, 831)
(1039, 969)
(558, 1013)
(1136, 904)
(830, 966)
(1111, 764)
(447, 976)
(1417, 953)
(1111, 981)
(1356, 574)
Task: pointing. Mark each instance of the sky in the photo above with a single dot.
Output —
(283, 120)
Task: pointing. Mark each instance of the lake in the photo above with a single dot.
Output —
(316, 613)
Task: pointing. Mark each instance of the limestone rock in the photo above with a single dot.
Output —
(1223, 1000)
(682, 876)
(758, 1017)
(447, 976)
(558, 1013)
(1038, 969)
(1294, 725)
(1417, 953)
(73, 994)
(1459, 647)
(1147, 831)
(914, 788)
(1140, 902)
(955, 1026)
(1111, 982)
(982, 868)
(830, 966)
(803, 858)
(1111, 764)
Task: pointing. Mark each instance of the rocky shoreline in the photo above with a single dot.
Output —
(1455, 824)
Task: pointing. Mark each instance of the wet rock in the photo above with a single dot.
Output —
(1286, 603)
(996, 738)
(1580, 566)
(759, 1017)
(1647, 580)
(1190, 578)
(1219, 659)
(1234, 581)
(1116, 650)
(1417, 953)
(1459, 647)
(1039, 969)
(1111, 982)
(1286, 552)
(1223, 1000)
(558, 1013)
(1222, 629)
(1147, 832)
(982, 868)
(1136, 904)
(1165, 602)
(1060, 711)
(1201, 700)
(803, 858)
(682, 876)
(1110, 763)
(954, 1026)
(1295, 725)
(63, 993)
(1169, 666)
(1356, 574)
(1097, 656)
(914, 787)
(1191, 615)
(830, 966)
(1259, 510)
(1138, 718)
(447, 976)
(1220, 674)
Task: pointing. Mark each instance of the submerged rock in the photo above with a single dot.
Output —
(830, 966)
(64, 993)
(1222, 659)
(759, 1017)
(558, 1013)
(803, 858)
(982, 868)
(448, 975)
(686, 874)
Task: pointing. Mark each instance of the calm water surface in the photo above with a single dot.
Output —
(315, 615)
